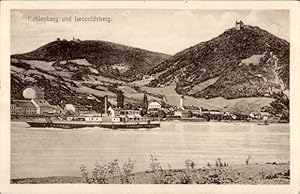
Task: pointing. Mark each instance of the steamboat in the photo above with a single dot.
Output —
(126, 119)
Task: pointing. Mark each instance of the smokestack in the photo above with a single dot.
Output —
(181, 102)
(145, 101)
(120, 99)
(105, 105)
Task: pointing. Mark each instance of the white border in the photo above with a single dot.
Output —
(5, 186)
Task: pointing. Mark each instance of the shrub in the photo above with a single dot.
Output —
(84, 173)
(185, 178)
(155, 165)
(163, 177)
(160, 176)
(101, 172)
(219, 163)
(248, 159)
(127, 171)
(287, 173)
(190, 164)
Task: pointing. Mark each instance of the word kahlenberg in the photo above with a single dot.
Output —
(69, 19)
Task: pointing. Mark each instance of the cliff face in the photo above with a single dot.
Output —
(249, 62)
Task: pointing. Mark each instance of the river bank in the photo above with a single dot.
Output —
(196, 120)
(269, 173)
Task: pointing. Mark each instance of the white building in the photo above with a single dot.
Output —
(70, 107)
(111, 112)
(215, 112)
(91, 118)
(181, 103)
(178, 113)
(154, 106)
(33, 93)
(255, 115)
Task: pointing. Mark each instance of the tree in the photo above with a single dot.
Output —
(189, 114)
(120, 99)
(161, 114)
(145, 104)
(281, 105)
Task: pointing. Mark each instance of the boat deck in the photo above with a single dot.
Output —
(81, 124)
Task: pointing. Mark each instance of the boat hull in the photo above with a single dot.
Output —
(111, 125)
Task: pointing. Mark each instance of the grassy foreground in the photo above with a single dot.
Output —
(270, 173)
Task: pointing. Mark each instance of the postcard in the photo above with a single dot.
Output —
(153, 97)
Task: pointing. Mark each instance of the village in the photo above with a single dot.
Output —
(34, 105)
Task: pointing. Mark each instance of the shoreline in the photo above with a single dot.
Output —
(189, 120)
(269, 173)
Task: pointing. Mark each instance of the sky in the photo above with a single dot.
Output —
(165, 31)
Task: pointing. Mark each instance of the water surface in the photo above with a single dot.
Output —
(60, 152)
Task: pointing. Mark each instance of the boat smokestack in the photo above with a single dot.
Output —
(105, 105)
(120, 99)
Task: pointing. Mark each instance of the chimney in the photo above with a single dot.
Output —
(181, 102)
(105, 105)
(145, 101)
(120, 99)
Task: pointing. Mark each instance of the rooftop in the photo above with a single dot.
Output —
(42, 103)
(23, 103)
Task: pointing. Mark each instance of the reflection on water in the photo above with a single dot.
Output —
(60, 152)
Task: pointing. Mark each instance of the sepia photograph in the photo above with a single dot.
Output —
(150, 96)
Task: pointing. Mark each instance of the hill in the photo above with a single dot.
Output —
(82, 72)
(245, 62)
(64, 85)
(107, 59)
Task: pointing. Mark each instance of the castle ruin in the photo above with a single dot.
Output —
(239, 25)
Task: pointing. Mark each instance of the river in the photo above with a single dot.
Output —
(60, 152)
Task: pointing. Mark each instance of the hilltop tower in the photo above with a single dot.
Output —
(239, 24)
(76, 39)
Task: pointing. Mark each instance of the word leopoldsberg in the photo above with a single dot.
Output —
(92, 19)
